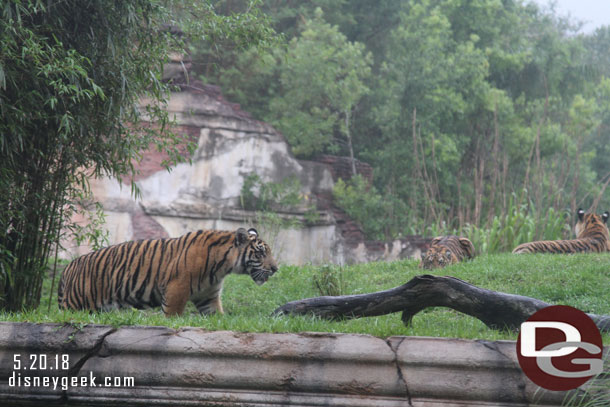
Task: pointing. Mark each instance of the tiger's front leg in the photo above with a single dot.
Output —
(208, 301)
(209, 306)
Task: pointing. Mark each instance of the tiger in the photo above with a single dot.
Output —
(591, 236)
(165, 272)
(445, 250)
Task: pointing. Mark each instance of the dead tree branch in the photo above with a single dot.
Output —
(496, 309)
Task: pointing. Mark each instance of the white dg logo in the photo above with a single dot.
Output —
(571, 344)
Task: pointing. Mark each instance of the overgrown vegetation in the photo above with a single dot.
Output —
(578, 280)
(72, 75)
(363, 203)
(329, 279)
(258, 195)
(466, 103)
(521, 223)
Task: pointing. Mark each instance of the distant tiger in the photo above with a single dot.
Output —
(591, 236)
(165, 272)
(445, 250)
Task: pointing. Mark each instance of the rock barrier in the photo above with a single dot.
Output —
(158, 366)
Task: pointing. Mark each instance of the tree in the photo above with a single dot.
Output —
(322, 78)
(252, 79)
(468, 112)
(71, 77)
(431, 92)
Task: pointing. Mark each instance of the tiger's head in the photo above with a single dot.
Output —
(437, 257)
(256, 259)
(591, 225)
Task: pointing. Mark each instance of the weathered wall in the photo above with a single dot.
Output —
(206, 193)
(195, 367)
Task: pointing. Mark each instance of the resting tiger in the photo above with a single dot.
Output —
(591, 236)
(165, 272)
(445, 250)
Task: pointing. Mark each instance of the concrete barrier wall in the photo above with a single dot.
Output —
(193, 367)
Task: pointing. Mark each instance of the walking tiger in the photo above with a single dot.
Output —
(165, 272)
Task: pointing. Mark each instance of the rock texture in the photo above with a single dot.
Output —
(195, 367)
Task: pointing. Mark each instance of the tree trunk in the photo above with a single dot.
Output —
(422, 174)
(348, 135)
(495, 309)
(504, 177)
(479, 172)
(601, 193)
(496, 169)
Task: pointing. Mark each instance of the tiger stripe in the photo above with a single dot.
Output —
(165, 272)
(445, 250)
(591, 236)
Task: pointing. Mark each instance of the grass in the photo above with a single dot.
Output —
(582, 281)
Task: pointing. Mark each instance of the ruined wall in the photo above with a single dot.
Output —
(205, 194)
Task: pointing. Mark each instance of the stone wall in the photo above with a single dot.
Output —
(194, 367)
(206, 194)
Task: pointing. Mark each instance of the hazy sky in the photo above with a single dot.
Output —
(593, 12)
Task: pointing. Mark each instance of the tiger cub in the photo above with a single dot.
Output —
(165, 272)
(445, 250)
(591, 236)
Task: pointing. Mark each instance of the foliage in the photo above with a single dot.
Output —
(329, 280)
(267, 196)
(364, 204)
(91, 230)
(466, 102)
(322, 79)
(579, 280)
(72, 75)
(519, 225)
(522, 223)
(252, 78)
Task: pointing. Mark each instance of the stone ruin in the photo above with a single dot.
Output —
(206, 194)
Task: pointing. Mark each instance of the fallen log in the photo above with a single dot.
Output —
(495, 309)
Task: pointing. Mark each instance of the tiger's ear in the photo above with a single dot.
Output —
(581, 213)
(467, 245)
(252, 233)
(241, 237)
(605, 217)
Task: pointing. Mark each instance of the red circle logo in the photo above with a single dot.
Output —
(560, 348)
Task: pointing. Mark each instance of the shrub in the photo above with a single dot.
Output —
(521, 224)
(364, 205)
(328, 280)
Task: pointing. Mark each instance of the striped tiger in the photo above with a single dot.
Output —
(165, 272)
(445, 250)
(591, 236)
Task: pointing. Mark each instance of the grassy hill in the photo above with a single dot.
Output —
(582, 281)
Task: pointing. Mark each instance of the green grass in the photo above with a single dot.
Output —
(582, 281)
